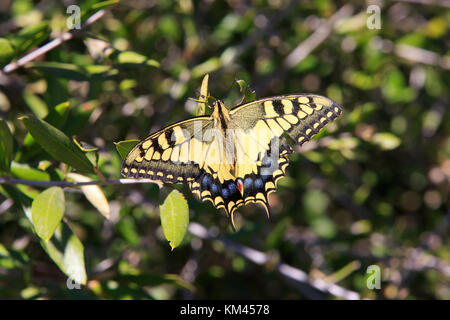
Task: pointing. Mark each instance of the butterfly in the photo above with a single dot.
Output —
(232, 157)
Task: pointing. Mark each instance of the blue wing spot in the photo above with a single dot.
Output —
(248, 183)
(215, 189)
(225, 193)
(259, 184)
(232, 187)
(206, 182)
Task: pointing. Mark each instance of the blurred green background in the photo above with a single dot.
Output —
(371, 189)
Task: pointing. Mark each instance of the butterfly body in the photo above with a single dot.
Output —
(232, 157)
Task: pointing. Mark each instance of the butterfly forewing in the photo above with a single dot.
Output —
(171, 154)
(300, 116)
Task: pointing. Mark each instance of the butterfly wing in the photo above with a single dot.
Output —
(300, 116)
(171, 154)
(261, 145)
(197, 152)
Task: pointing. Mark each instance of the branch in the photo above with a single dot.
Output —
(441, 3)
(416, 54)
(249, 41)
(75, 184)
(316, 38)
(307, 46)
(52, 44)
(287, 271)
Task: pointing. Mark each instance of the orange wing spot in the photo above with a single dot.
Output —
(240, 187)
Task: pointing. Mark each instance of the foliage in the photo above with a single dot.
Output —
(372, 189)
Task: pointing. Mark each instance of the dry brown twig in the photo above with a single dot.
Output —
(292, 274)
(307, 46)
(51, 45)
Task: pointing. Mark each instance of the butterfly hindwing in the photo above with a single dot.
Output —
(248, 186)
(261, 144)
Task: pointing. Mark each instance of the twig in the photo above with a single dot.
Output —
(316, 38)
(420, 55)
(441, 3)
(5, 205)
(289, 272)
(259, 33)
(74, 184)
(51, 45)
(307, 46)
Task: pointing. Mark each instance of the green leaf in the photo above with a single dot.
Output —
(58, 115)
(155, 279)
(97, 7)
(30, 192)
(344, 143)
(127, 84)
(274, 239)
(315, 202)
(174, 213)
(133, 58)
(20, 7)
(66, 250)
(124, 147)
(99, 72)
(395, 88)
(104, 4)
(344, 272)
(6, 146)
(64, 70)
(386, 140)
(21, 200)
(248, 94)
(361, 80)
(29, 37)
(10, 258)
(208, 66)
(6, 52)
(79, 117)
(57, 144)
(24, 171)
(75, 72)
(324, 227)
(128, 229)
(36, 104)
(47, 210)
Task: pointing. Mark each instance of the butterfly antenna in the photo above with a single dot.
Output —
(205, 100)
(197, 100)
